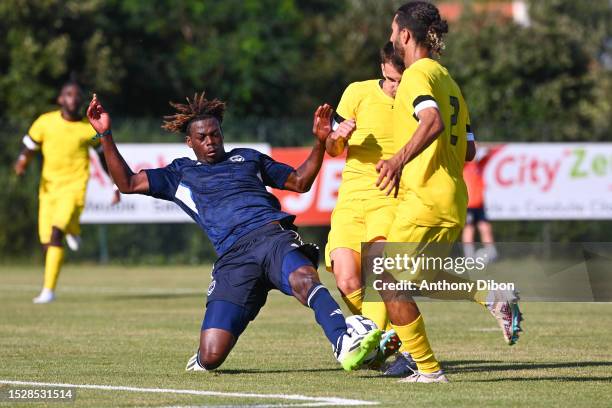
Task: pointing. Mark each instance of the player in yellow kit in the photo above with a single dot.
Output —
(363, 213)
(430, 121)
(63, 136)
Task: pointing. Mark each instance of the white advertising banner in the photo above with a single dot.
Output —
(549, 181)
(523, 181)
(138, 208)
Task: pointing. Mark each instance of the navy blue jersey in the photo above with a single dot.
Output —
(227, 199)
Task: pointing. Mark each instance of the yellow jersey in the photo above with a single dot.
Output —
(432, 183)
(372, 139)
(64, 146)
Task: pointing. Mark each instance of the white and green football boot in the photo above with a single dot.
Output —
(352, 350)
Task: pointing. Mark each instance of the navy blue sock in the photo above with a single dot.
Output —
(327, 313)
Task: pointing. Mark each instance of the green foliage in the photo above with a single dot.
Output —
(266, 58)
(43, 42)
(543, 82)
(173, 244)
(18, 203)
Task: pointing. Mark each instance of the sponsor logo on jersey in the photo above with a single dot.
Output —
(211, 287)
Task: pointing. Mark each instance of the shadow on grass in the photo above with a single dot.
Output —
(462, 366)
(491, 366)
(263, 371)
(555, 378)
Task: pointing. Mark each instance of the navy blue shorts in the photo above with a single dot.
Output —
(475, 215)
(253, 266)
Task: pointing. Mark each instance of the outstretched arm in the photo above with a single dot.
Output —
(302, 178)
(123, 176)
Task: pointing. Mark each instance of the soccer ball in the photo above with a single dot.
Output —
(358, 325)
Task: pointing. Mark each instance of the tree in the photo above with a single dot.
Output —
(542, 82)
(44, 42)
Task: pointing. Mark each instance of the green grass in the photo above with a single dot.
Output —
(138, 326)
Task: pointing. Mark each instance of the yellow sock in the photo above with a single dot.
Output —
(354, 301)
(414, 339)
(53, 264)
(481, 297)
(377, 312)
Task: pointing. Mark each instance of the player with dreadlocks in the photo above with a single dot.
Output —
(257, 246)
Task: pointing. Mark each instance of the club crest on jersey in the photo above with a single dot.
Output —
(211, 287)
(237, 158)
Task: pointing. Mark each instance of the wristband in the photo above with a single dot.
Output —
(107, 132)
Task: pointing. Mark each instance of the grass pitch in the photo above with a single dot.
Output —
(137, 326)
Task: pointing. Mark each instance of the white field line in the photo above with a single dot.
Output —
(307, 404)
(312, 401)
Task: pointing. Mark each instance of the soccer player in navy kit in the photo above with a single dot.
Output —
(257, 246)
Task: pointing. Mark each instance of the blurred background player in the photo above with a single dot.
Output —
(257, 245)
(363, 213)
(63, 137)
(430, 120)
(473, 174)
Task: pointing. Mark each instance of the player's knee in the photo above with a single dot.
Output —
(211, 359)
(346, 269)
(56, 237)
(348, 283)
(301, 280)
(214, 350)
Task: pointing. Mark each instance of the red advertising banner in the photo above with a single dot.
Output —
(315, 206)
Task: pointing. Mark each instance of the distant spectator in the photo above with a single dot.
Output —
(473, 174)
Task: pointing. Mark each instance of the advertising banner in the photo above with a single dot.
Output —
(549, 181)
(521, 181)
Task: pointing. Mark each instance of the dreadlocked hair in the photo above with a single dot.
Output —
(424, 22)
(195, 109)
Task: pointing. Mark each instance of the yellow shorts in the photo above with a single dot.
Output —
(58, 210)
(407, 232)
(362, 214)
(417, 240)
